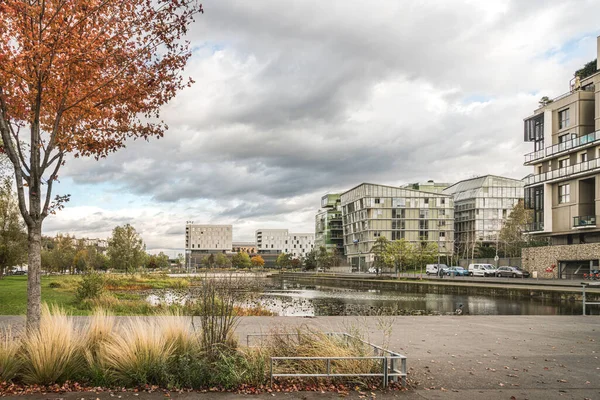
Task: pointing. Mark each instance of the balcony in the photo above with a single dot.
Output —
(587, 221)
(566, 172)
(534, 227)
(563, 147)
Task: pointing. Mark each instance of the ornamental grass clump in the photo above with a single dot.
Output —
(138, 354)
(98, 332)
(9, 361)
(52, 353)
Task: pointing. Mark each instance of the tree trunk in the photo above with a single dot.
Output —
(34, 282)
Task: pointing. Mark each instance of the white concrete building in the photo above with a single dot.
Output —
(274, 241)
(208, 238)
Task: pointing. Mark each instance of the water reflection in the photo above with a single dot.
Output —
(294, 299)
(288, 298)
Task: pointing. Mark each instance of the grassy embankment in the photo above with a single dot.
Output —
(123, 294)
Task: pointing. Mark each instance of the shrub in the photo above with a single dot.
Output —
(9, 362)
(54, 285)
(90, 287)
(52, 353)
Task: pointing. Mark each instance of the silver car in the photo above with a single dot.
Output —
(511, 272)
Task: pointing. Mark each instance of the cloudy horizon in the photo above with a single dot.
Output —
(296, 99)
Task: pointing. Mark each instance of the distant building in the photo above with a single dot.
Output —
(481, 205)
(429, 186)
(244, 247)
(208, 238)
(275, 241)
(329, 231)
(371, 211)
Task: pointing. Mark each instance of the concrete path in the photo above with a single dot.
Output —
(457, 357)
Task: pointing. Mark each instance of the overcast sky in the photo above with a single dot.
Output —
(294, 99)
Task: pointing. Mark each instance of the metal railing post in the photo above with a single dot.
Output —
(403, 370)
(583, 297)
(394, 366)
(328, 367)
(271, 372)
(385, 372)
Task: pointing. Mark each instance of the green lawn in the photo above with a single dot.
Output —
(13, 294)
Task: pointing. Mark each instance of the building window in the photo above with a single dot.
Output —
(540, 170)
(377, 201)
(442, 212)
(583, 157)
(565, 162)
(563, 119)
(442, 201)
(564, 193)
(442, 234)
(426, 200)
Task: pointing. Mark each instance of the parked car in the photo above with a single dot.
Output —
(514, 272)
(434, 269)
(20, 273)
(372, 270)
(482, 270)
(457, 271)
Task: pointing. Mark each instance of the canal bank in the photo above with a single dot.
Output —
(518, 289)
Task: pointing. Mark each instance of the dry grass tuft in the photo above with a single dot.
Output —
(177, 331)
(9, 361)
(138, 354)
(53, 353)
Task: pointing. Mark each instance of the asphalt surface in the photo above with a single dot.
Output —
(450, 357)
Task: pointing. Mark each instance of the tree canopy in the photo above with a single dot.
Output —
(126, 249)
(80, 77)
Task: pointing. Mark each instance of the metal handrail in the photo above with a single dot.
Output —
(564, 172)
(389, 362)
(585, 220)
(558, 148)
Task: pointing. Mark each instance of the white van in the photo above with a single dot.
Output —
(482, 270)
(433, 269)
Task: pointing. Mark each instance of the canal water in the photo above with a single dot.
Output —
(289, 298)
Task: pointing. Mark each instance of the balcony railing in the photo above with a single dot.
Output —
(564, 146)
(584, 221)
(563, 172)
(534, 227)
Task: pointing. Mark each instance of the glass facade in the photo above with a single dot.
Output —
(328, 224)
(371, 211)
(480, 207)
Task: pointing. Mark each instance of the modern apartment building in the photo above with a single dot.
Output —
(275, 241)
(564, 188)
(481, 206)
(429, 186)
(208, 238)
(370, 211)
(328, 224)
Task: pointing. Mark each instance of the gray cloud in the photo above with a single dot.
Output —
(297, 98)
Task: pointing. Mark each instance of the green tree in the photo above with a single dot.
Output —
(284, 260)
(243, 260)
(157, 261)
(310, 260)
(379, 250)
(587, 70)
(324, 259)
(398, 254)
(257, 261)
(425, 253)
(126, 249)
(209, 261)
(180, 260)
(61, 257)
(222, 261)
(13, 235)
(512, 236)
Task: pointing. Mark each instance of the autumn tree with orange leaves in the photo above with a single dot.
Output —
(80, 77)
